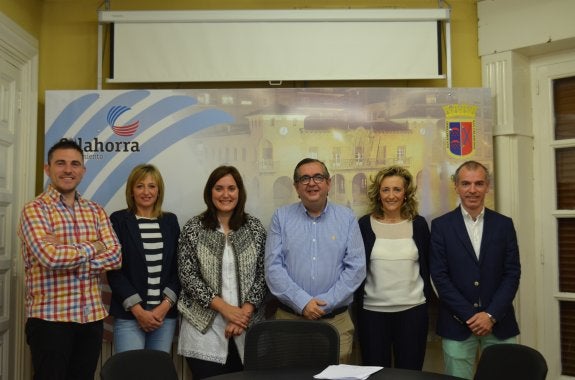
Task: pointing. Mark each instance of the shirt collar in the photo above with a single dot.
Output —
(467, 216)
(304, 210)
(56, 196)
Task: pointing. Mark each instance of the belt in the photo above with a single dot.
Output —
(333, 313)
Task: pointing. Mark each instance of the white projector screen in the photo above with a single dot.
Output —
(267, 49)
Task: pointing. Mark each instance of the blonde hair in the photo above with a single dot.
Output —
(409, 206)
(138, 173)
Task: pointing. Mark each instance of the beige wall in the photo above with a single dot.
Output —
(26, 13)
(69, 37)
(67, 33)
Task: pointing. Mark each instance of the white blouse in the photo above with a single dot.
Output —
(213, 345)
(393, 281)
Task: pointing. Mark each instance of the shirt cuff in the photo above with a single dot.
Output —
(171, 295)
(131, 301)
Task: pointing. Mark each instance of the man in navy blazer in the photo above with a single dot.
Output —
(474, 265)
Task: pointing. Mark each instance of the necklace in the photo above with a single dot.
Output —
(389, 220)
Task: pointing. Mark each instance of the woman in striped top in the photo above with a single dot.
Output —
(145, 290)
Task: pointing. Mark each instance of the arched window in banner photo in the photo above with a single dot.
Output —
(265, 132)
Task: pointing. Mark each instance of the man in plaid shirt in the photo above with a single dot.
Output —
(67, 243)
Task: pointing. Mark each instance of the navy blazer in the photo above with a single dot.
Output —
(132, 278)
(421, 239)
(467, 285)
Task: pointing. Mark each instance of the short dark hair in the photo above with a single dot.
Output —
(471, 165)
(210, 216)
(65, 143)
(309, 161)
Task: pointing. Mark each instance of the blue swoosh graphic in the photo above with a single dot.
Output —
(61, 126)
(148, 118)
(66, 118)
(115, 113)
(155, 146)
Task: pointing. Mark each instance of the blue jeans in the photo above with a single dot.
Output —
(129, 336)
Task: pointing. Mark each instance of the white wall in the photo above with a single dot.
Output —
(506, 25)
(514, 35)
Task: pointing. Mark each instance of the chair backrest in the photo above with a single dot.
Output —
(291, 343)
(139, 365)
(511, 362)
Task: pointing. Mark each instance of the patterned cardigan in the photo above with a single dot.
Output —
(200, 253)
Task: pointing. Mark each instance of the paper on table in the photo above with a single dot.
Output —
(347, 372)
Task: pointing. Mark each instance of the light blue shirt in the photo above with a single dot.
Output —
(314, 257)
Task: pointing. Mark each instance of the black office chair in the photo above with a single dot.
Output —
(291, 344)
(139, 365)
(511, 362)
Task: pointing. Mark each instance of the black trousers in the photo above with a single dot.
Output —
(401, 335)
(64, 350)
(203, 368)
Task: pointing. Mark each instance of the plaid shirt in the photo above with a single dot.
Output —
(63, 281)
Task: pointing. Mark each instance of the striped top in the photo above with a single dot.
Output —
(153, 248)
(63, 281)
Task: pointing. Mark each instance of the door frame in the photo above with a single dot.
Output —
(20, 49)
(544, 70)
(521, 190)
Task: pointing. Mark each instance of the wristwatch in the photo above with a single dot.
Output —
(493, 320)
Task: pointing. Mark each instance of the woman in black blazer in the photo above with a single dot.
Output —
(146, 288)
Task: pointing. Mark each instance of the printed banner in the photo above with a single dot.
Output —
(265, 132)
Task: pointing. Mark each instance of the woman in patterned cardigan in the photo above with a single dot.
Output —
(221, 269)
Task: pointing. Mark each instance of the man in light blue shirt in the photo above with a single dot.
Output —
(315, 256)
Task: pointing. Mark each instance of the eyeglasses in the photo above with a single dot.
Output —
(306, 179)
